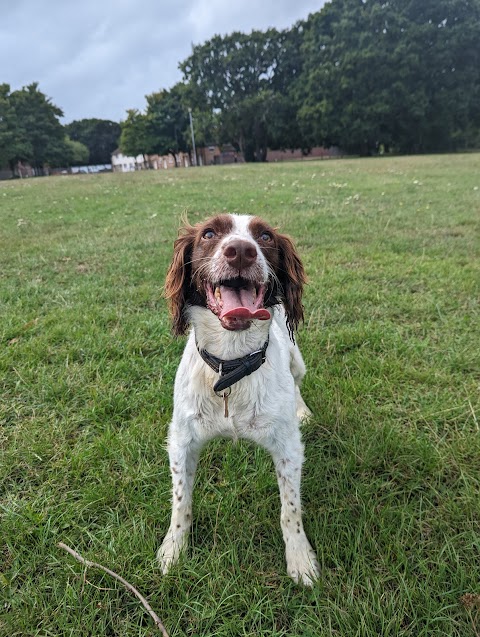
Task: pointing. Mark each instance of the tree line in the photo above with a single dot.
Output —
(31, 133)
(365, 75)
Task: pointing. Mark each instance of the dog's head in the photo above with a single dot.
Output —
(238, 267)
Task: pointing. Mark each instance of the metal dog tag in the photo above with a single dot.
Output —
(225, 403)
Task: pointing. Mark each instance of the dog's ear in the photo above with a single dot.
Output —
(292, 278)
(178, 279)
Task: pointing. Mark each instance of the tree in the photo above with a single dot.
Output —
(14, 145)
(101, 136)
(40, 138)
(134, 139)
(164, 127)
(167, 122)
(342, 89)
(445, 36)
(77, 153)
(240, 78)
(401, 73)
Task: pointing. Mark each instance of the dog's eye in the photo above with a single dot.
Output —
(266, 236)
(208, 234)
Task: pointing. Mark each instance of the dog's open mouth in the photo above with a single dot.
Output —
(236, 302)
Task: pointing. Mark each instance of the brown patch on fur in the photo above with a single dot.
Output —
(183, 281)
(287, 265)
(178, 280)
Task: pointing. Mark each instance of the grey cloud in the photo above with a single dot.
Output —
(98, 58)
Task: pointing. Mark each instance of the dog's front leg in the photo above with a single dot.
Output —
(183, 455)
(302, 564)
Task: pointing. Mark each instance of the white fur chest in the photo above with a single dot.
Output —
(255, 404)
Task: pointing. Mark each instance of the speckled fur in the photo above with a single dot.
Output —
(265, 407)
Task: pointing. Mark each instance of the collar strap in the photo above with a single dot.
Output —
(234, 370)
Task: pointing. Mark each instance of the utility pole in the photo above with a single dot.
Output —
(193, 138)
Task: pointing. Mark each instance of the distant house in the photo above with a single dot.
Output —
(212, 155)
(227, 154)
(125, 164)
(21, 169)
(164, 162)
(317, 152)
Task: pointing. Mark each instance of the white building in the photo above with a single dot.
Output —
(124, 164)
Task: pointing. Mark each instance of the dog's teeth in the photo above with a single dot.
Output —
(218, 294)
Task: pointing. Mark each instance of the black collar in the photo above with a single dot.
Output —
(234, 370)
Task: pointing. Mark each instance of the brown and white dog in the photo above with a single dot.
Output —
(238, 283)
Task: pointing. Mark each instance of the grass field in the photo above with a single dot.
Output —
(391, 484)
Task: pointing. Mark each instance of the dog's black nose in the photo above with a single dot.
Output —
(240, 254)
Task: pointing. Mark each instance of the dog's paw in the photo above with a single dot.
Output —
(169, 551)
(303, 412)
(302, 563)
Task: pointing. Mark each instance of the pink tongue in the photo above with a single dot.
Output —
(239, 303)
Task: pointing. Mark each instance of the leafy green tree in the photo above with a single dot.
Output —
(14, 144)
(445, 36)
(403, 73)
(239, 78)
(39, 133)
(134, 138)
(342, 94)
(77, 153)
(163, 129)
(101, 137)
(206, 127)
(284, 130)
(167, 122)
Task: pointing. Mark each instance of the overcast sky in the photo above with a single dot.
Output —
(97, 58)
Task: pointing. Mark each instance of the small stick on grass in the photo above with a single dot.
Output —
(127, 585)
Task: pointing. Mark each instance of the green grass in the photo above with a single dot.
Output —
(391, 485)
